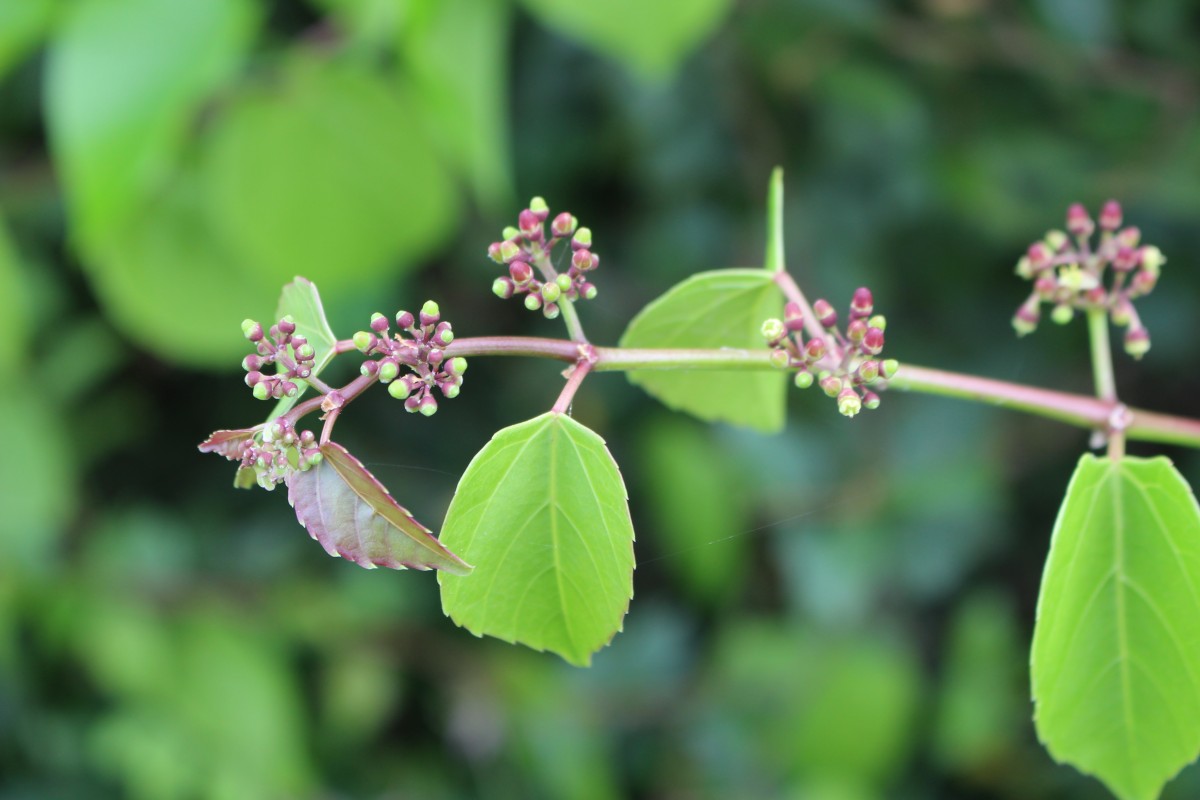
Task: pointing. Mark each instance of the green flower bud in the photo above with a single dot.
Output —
(1062, 314)
(1024, 268)
(849, 403)
(446, 336)
(780, 359)
(363, 340)
(773, 330)
(589, 291)
(430, 309)
(305, 351)
(888, 367)
(252, 330)
(457, 366)
(538, 205)
(510, 233)
(1152, 259)
(878, 321)
(564, 281)
(450, 391)
(582, 238)
(502, 288)
(831, 385)
(533, 301)
(1055, 240)
(803, 379)
(1137, 342)
(389, 370)
(261, 391)
(551, 311)
(551, 292)
(509, 250)
(399, 390)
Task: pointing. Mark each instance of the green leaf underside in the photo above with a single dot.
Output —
(1116, 648)
(542, 510)
(722, 308)
(351, 514)
(301, 300)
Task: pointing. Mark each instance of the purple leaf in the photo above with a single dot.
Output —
(227, 443)
(352, 515)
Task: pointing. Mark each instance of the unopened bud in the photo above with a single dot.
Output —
(253, 377)
(1110, 216)
(1122, 313)
(509, 251)
(1078, 221)
(430, 313)
(509, 232)
(287, 325)
(305, 352)
(803, 379)
(1055, 240)
(888, 367)
(405, 319)
(290, 389)
(399, 390)
(862, 303)
(411, 403)
(588, 291)
(1143, 282)
(582, 240)
(1125, 259)
(449, 390)
(369, 368)
(494, 252)
(379, 323)
(563, 225)
(550, 311)
(582, 259)
(261, 390)
(252, 330)
(780, 359)
(1062, 314)
(520, 271)
(1137, 342)
(428, 406)
(388, 370)
(870, 400)
(825, 313)
(856, 330)
(831, 385)
(564, 282)
(363, 341)
(456, 366)
(815, 349)
(1026, 319)
(868, 371)
(503, 288)
(533, 301)
(1039, 256)
(1046, 285)
(551, 292)
(1024, 268)
(252, 362)
(1130, 236)
(873, 341)
(1152, 259)
(849, 403)
(773, 331)
(436, 357)
(538, 206)
(529, 224)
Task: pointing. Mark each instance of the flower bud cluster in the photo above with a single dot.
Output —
(1071, 272)
(291, 354)
(278, 450)
(846, 369)
(421, 357)
(527, 251)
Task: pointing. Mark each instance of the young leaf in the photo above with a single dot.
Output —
(722, 308)
(300, 300)
(352, 515)
(1116, 647)
(542, 510)
(227, 443)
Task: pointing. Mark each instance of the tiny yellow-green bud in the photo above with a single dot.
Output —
(878, 321)
(1055, 240)
(1062, 314)
(1024, 268)
(398, 390)
(510, 232)
(780, 359)
(362, 340)
(551, 292)
(451, 391)
(803, 379)
(388, 371)
(538, 205)
(888, 367)
(563, 281)
(457, 366)
(773, 330)
(533, 301)
(430, 309)
(261, 391)
(1152, 259)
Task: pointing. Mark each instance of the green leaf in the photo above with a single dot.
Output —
(542, 510)
(1116, 647)
(23, 23)
(651, 38)
(456, 55)
(352, 515)
(124, 82)
(722, 308)
(14, 306)
(302, 302)
(325, 173)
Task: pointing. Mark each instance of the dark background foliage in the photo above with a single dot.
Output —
(840, 612)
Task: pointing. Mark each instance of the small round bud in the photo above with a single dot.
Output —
(538, 206)
(888, 367)
(878, 321)
(449, 390)
(428, 406)
(313, 456)
(856, 330)
(551, 292)
(1062, 314)
(582, 239)
(588, 291)
(1143, 282)
(533, 301)
(564, 282)
(1110, 216)
(1078, 222)
(494, 252)
(1026, 319)
(1126, 258)
(287, 325)
(780, 359)
(814, 350)
(399, 390)
(1130, 236)
(1137, 342)
(551, 311)
(773, 331)
(862, 303)
(364, 341)
(261, 390)
(831, 385)
(529, 224)
(379, 323)
(868, 371)
(563, 225)
(411, 403)
(444, 337)
(389, 370)
(849, 403)
(870, 400)
(1056, 240)
(251, 363)
(503, 288)
(253, 377)
(1122, 313)
(792, 311)
(405, 319)
(1046, 285)
(803, 379)
(509, 251)
(873, 341)
(1024, 268)
(289, 389)
(435, 357)
(369, 367)
(430, 313)
(252, 330)
(307, 438)
(520, 271)
(582, 259)
(825, 313)
(1152, 259)
(456, 366)
(305, 352)
(510, 233)
(1040, 256)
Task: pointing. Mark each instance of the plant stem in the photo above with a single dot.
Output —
(1102, 366)
(580, 371)
(571, 318)
(791, 290)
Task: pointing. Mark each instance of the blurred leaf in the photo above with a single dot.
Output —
(124, 81)
(14, 309)
(38, 478)
(1117, 640)
(650, 38)
(325, 173)
(542, 511)
(23, 24)
(982, 703)
(359, 692)
(457, 54)
(302, 302)
(722, 308)
(697, 510)
(352, 515)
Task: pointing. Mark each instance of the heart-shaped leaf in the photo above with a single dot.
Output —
(1116, 648)
(352, 515)
(300, 300)
(542, 510)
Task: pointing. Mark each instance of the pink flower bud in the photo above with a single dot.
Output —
(428, 406)
(862, 304)
(1110, 216)
(1078, 221)
(563, 225)
(405, 320)
(503, 288)
(494, 254)
(1026, 319)
(287, 326)
(509, 251)
(856, 330)
(251, 363)
(873, 341)
(1130, 236)
(1046, 285)
(1126, 258)
(1039, 256)
(870, 400)
(825, 313)
(539, 208)
(1137, 342)
(520, 271)
(379, 323)
(582, 259)
(814, 350)
(831, 385)
(252, 330)
(253, 377)
(530, 225)
(412, 402)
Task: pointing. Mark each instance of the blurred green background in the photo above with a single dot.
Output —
(841, 612)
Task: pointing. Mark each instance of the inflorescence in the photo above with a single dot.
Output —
(423, 355)
(842, 364)
(277, 450)
(291, 354)
(527, 251)
(1069, 274)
